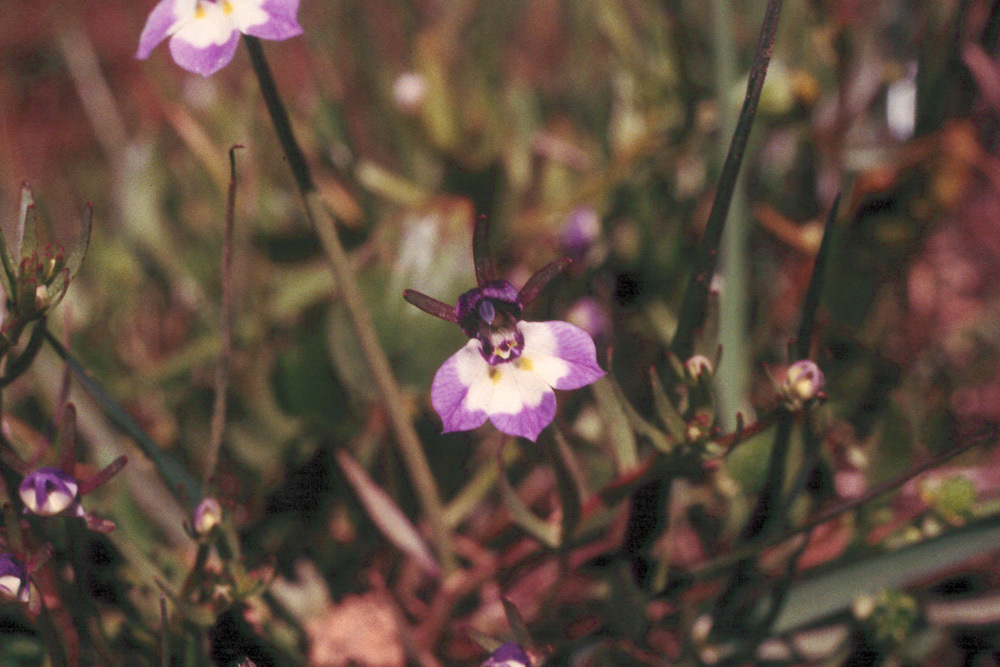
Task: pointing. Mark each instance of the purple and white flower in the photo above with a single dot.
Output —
(52, 491)
(13, 578)
(204, 34)
(509, 368)
(508, 655)
(49, 491)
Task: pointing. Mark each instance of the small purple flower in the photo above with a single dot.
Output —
(507, 371)
(508, 655)
(13, 578)
(49, 491)
(204, 34)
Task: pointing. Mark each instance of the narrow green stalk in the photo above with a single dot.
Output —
(57, 653)
(692, 310)
(164, 633)
(225, 330)
(732, 376)
(388, 391)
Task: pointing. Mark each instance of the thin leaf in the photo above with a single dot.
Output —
(26, 234)
(615, 420)
(183, 486)
(386, 515)
(64, 444)
(75, 258)
(543, 531)
(835, 591)
(665, 409)
(568, 484)
(811, 302)
(693, 306)
(517, 624)
(489, 644)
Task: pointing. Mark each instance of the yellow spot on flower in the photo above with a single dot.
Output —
(495, 375)
(525, 364)
(199, 12)
(227, 7)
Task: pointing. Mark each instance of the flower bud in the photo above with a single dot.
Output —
(803, 381)
(508, 655)
(409, 92)
(580, 231)
(697, 366)
(13, 578)
(48, 491)
(206, 517)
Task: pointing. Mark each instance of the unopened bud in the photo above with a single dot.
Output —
(409, 92)
(207, 516)
(803, 381)
(697, 366)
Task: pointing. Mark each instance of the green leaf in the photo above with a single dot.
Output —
(668, 414)
(75, 258)
(835, 591)
(26, 234)
(386, 515)
(616, 421)
(184, 487)
(543, 531)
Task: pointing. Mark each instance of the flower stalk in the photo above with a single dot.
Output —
(385, 383)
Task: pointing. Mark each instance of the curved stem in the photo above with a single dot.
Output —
(17, 366)
(388, 391)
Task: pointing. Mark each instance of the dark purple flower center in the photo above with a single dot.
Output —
(490, 314)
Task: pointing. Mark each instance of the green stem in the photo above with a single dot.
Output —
(385, 384)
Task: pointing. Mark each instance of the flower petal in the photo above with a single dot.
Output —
(204, 60)
(161, 21)
(522, 403)
(561, 354)
(462, 389)
(281, 20)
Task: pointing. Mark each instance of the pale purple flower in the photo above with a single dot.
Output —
(13, 578)
(508, 655)
(509, 368)
(204, 34)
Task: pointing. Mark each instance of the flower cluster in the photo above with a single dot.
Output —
(204, 34)
(509, 368)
